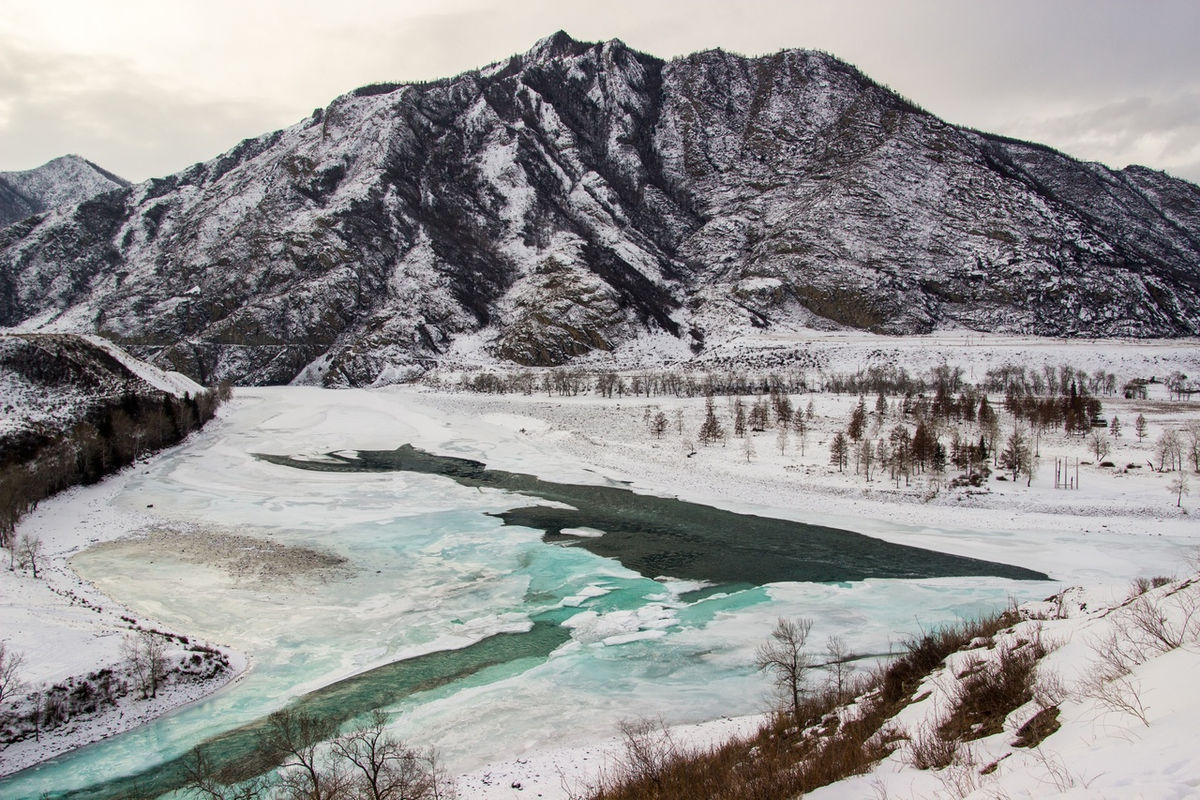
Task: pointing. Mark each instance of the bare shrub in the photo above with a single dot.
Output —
(1038, 727)
(1139, 586)
(924, 654)
(1049, 690)
(1056, 770)
(929, 749)
(649, 750)
(1117, 693)
(830, 743)
(778, 761)
(1167, 624)
(984, 698)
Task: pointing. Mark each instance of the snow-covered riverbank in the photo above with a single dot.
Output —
(1121, 522)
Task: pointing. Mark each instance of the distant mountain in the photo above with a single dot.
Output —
(65, 181)
(582, 197)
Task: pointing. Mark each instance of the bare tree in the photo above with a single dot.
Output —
(785, 658)
(211, 782)
(292, 739)
(800, 429)
(1193, 443)
(10, 667)
(1169, 449)
(146, 659)
(1179, 485)
(29, 552)
(838, 657)
(384, 768)
(1098, 445)
(865, 458)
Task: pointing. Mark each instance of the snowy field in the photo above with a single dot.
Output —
(363, 570)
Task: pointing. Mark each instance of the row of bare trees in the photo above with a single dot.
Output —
(315, 763)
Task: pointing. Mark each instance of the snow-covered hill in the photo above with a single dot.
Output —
(585, 197)
(50, 383)
(63, 181)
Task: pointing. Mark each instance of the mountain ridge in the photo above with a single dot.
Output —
(583, 196)
(66, 180)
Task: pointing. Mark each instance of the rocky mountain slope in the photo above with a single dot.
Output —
(75, 408)
(581, 197)
(64, 181)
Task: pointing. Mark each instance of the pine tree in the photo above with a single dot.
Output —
(839, 450)
(858, 421)
(710, 430)
(658, 424)
(739, 417)
(760, 415)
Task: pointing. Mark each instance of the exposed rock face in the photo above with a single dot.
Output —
(64, 181)
(580, 196)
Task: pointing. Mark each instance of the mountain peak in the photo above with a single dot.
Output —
(602, 197)
(556, 45)
(61, 181)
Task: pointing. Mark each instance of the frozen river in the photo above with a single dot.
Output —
(452, 607)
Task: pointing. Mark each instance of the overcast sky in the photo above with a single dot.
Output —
(147, 87)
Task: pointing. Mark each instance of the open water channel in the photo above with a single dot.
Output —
(490, 612)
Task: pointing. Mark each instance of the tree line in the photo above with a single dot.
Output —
(37, 464)
(945, 381)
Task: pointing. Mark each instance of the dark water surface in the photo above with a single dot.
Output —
(664, 536)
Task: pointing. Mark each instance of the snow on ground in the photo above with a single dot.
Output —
(29, 404)
(1114, 507)
(170, 382)
(64, 627)
(568, 772)
(1127, 730)
(1120, 522)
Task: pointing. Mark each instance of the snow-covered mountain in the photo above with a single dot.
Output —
(64, 181)
(581, 196)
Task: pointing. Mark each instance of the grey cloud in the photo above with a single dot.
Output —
(104, 110)
(1158, 131)
(1012, 69)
